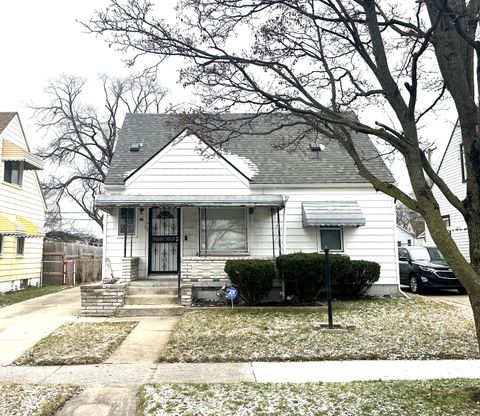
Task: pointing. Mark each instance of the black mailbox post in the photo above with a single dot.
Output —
(329, 287)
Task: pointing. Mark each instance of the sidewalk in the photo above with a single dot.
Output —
(129, 375)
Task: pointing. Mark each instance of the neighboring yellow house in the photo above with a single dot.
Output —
(22, 208)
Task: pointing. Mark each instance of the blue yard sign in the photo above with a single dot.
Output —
(232, 293)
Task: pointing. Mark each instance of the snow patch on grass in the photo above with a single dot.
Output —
(33, 399)
(381, 329)
(406, 398)
(78, 343)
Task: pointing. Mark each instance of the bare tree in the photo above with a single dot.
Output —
(318, 59)
(84, 136)
(410, 220)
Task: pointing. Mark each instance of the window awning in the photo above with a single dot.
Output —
(31, 230)
(107, 202)
(332, 213)
(12, 152)
(20, 227)
(10, 227)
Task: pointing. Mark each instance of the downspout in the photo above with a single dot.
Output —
(285, 199)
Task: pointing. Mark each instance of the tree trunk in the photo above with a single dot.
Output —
(467, 273)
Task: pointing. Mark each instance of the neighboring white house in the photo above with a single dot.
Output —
(176, 206)
(452, 171)
(22, 208)
(406, 238)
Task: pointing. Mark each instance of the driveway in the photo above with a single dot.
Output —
(23, 324)
(450, 296)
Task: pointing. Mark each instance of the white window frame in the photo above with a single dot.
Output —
(201, 229)
(340, 229)
(17, 246)
(20, 172)
(119, 216)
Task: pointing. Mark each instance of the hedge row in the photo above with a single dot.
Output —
(304, 276)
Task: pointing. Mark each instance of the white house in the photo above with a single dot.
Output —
(406, 238)
(177, 207)
(22, 208)
(452, 171)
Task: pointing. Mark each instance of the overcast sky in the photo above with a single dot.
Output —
(42, 39)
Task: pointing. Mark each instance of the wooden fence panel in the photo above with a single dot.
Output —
(85, 259)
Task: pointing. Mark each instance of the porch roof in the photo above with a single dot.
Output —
(332, 213)
(107, 202)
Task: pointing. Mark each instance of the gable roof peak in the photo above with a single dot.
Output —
(5, 119)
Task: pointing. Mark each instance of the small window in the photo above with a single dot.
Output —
(126, 221)
(462, 164)
(13, 172)
(331, 238)
(20, 246)
(1, 244)
(223, 230)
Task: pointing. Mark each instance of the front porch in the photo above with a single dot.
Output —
(187, 241)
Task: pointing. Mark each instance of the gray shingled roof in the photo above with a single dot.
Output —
(333, 165)
(5, 119)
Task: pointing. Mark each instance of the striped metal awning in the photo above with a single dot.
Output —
(12, 152)
(31, 230)
(19, 226)
(10, 227)
(332, 213)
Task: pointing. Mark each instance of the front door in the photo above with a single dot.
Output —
(164, 236)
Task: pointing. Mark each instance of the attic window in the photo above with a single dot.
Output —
(316, 147)
(135, 147)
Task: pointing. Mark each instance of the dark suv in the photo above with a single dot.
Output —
(425, 267)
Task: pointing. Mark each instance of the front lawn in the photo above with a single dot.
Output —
(376, 398)
(9, 298)
(383, 329)
(78, 343)
(33, 399)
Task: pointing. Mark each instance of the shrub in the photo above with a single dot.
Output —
(253, 278)
(304, 275)
(362, 275)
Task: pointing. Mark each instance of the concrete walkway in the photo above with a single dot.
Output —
(23, 324)
(131, 375)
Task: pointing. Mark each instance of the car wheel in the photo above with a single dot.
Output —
(413, 283)
(462, 291)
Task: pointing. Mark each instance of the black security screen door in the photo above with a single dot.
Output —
(164, 240)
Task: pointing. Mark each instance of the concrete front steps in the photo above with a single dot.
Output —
(152, 297)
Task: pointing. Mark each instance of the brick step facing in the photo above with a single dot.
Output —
(150, 310)
(152, 299)
(166, 282)
(152, 290)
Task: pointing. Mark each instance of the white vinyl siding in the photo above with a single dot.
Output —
(27, 202)
(451, 173)
(180, 169)
(187, 168)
